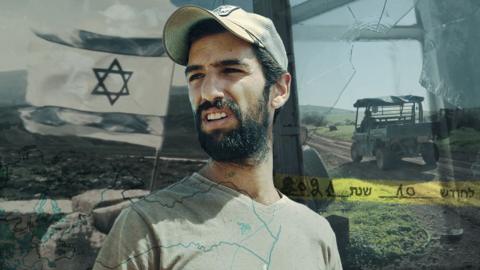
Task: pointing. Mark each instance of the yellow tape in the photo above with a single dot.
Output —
(454, 193)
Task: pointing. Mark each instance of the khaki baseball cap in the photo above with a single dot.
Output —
(250, 27)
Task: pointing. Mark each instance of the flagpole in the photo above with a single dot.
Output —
(157, 154)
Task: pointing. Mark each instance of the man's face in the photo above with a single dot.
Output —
(224, 68)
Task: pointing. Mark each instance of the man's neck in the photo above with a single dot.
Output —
(255, 181)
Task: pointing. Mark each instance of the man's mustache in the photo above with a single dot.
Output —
(218, 103)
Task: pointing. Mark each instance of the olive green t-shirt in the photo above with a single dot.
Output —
(198, 224)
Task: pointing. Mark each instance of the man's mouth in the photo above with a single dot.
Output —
(217, 120)
(212, 118)
(216, 116)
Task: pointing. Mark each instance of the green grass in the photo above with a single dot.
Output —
(465, 140)
(339, 118)
(380, 233)
(332, 116)
(343, 133)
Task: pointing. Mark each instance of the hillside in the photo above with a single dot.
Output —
(12, 87)
(333, 115)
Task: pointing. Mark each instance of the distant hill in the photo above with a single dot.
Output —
(323, 109)
(13, 85)
(333, 115)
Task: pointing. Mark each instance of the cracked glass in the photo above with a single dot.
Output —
(388, 94)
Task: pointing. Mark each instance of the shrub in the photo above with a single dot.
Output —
(314, 119)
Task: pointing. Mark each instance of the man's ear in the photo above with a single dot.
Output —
(280, 91)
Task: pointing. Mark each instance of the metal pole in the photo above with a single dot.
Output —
(287, 148)
(157, 152)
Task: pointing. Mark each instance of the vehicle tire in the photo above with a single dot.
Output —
(384, 158)
(430, 153)
(355, 153)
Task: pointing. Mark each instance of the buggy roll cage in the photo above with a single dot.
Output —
(392, 109)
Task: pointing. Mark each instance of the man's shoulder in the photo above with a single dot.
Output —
(305, 212)
(307, 219)
(170, 195)
(187, 196)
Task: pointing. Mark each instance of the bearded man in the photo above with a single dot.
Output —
(229, 215)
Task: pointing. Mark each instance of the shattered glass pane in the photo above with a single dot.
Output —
(339, 43)
(388, 96)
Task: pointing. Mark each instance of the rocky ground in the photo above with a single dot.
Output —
(57, 205)
(64, 174)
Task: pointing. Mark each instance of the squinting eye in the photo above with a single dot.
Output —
(231, 70)
(195, 76)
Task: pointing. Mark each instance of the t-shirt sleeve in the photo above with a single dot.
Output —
(329, 248)
(335, 262)
(129, 245)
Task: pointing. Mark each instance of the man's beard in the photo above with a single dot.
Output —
(245, 144)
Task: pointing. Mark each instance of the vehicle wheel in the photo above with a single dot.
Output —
(430, 153)
(384, 158)
(355, 153)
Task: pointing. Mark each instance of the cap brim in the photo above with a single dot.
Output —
(178, 26)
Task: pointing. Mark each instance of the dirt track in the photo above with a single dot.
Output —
(336, 154)
(443, 251)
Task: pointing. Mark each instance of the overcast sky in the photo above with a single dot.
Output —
(324, 65)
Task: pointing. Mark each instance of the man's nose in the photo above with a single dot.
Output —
(212, 88)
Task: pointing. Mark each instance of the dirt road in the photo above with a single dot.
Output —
(446, 250)
(336, 154)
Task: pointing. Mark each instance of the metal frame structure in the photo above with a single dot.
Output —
(287, 152)
(288, 158)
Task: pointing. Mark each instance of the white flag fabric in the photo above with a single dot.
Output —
(96, 81)
(134, 129)
(97, 86)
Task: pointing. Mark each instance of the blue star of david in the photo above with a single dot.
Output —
(114, 69)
